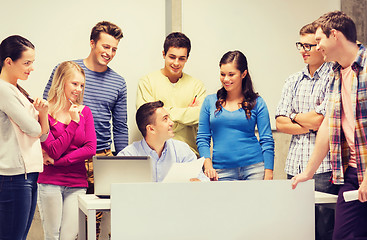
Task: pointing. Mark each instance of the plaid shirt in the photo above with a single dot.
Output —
(303, 93)
(339, 150)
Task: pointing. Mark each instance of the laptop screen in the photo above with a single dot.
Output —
(119, 169)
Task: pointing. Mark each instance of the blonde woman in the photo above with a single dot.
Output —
(71, 140)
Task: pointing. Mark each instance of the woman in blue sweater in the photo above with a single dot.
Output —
(229, 119)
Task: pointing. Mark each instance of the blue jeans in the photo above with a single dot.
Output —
(18, 199)
(252, 172)
(58, 206)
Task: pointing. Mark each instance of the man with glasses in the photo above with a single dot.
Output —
(300, 112)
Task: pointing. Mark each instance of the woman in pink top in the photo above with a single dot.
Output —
(71, 140)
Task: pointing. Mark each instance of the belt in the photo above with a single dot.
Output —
(103, 151)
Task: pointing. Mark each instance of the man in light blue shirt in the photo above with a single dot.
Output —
(156, 127)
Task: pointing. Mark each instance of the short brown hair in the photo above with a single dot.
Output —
(339, 21)
(144, 115)
(106, 27)
(177, 40)
(307, 29)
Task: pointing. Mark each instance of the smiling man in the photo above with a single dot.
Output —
(181, 94)
(344, 129)
(300, 112)
(156, 127)
(112, 104)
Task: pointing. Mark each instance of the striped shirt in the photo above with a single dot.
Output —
(303, 93)
(339, 150)
(106, 95)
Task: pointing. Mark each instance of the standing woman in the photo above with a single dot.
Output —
(23, 122)
(72, 140)
(229, 119)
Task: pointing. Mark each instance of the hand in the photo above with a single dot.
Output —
(47, 160)
(195, 180)
(41, 106)
(362, 191)
(74, 113)
(268, 174)
(209, 171)
(302, 177)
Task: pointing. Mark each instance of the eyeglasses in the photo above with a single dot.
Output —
(306, 46)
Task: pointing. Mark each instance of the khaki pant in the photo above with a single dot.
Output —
(90, 189)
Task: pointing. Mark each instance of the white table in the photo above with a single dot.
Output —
(89, 204)
(325, 199)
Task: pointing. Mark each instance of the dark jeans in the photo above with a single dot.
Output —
(351, 217)
(324, 217)
(18, 199)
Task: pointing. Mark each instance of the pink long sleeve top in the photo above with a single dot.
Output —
(69, 145)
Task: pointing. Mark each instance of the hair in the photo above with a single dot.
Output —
(146, 115)
(13, 47)
(106, 27)
(307, 29)
(177, 40)
(339, 21)
(56, 95)
(249, 101)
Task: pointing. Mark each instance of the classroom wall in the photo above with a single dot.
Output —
(265, 31)
(60, 30)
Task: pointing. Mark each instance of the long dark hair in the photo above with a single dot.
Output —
(13, 47)
(249, 101)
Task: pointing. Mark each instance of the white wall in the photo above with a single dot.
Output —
(60, 31)
(264, 30)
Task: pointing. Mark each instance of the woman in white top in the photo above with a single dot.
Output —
(23, 122)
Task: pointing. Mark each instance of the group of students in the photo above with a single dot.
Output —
(52, 142)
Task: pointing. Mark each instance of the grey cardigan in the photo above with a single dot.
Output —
(11, 161)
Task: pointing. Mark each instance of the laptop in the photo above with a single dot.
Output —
(119, 169)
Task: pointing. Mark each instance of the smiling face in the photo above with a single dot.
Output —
(174, 62)
(231, 77)
(163, 125)
(104, 49)
(312, 57)
(23, 66)
(74, 87)
(326, 45)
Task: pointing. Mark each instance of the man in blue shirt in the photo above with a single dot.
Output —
(112, 104)
(157, 129)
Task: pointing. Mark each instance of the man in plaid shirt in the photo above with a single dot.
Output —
(300, 112)
(344, 128)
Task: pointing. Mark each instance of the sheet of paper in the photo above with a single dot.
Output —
(183, 172)
(350, 195)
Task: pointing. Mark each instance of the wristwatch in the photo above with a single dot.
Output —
(293, 116)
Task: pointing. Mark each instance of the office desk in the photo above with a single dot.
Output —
(89, 204)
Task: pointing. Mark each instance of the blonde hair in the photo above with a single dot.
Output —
(56, 95)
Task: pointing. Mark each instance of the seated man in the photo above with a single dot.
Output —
(157, 129)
